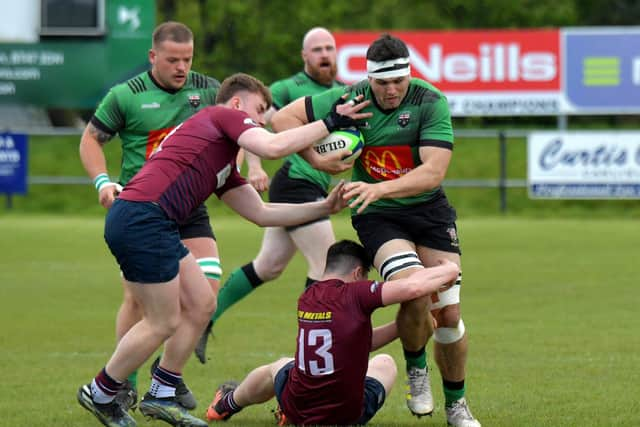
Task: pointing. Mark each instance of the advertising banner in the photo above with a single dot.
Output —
(13, 163)
(584, 165)
(517, 72)
(602, 72)
(76, 72)
(493, 72)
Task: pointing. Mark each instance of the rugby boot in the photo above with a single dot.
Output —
(215, 412)
(419, 398)
(459, 415)
(169, 410)
(109, 414)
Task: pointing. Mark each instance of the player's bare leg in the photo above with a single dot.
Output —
(128, 315)
(197, 303)
(205, 250)
(313, 241)
(276, 252)
(161, 319)
(394, 260)
(450, 345)
(383, 368)
(257, 387)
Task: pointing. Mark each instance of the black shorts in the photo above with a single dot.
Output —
(197, 225)
(431, 224)
(374, 393)
(290, 190)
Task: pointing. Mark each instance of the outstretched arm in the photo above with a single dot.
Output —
(294, 115)
(423, 282)
(246, 202)
(273, 146)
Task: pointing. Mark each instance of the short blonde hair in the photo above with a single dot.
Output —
(172, 31)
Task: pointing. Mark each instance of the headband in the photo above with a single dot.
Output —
(398, 67)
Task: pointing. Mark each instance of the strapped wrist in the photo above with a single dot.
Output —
(101, 180)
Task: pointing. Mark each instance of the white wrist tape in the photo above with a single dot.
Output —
(102, 180)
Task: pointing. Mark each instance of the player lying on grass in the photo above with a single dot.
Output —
(331, 380)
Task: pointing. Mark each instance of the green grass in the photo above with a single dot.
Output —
(550, 307)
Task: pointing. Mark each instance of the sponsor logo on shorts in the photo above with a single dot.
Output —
(150, 105)
(453, 236)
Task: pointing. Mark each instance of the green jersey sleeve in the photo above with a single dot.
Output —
(436, 127)
(110, 113)
(318, 106)
(280, 94)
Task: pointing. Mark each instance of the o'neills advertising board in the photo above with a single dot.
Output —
(517, 72)
(584, 165)
(482, 73)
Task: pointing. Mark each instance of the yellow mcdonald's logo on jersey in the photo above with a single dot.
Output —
(387, 162)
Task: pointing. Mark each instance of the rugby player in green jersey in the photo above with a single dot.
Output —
(142, 111)
(401, 213)
(295, 182)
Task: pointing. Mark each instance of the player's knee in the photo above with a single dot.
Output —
(386, 363)
(445, 305)
(448, 316)
(268, 271)
(445, 335)
(203, 310)
(166, 326)
(414, 310)
(130, 305)
(211, 267)
(209, 306)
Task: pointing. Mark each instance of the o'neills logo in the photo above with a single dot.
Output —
(388, 162)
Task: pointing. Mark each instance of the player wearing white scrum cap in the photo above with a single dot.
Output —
(401, 213)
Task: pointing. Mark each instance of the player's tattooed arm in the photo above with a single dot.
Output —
(99, 135)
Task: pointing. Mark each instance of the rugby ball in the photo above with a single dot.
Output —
(350, 139)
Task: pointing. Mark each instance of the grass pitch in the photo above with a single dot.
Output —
(550, 307)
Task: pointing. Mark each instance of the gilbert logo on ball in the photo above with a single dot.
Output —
(350, 139)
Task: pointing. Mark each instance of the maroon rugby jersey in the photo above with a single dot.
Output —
(326, 385)
(195, 161)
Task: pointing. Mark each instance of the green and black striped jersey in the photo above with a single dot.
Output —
(143, 113)
(286, 91)
(392, 137)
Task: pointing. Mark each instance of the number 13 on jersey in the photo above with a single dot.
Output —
(314, 352)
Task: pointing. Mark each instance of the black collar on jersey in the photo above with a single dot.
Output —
(159, 86)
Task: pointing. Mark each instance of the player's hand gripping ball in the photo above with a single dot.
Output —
(350, 139)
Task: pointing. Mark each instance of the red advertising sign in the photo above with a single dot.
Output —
(467, 61)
